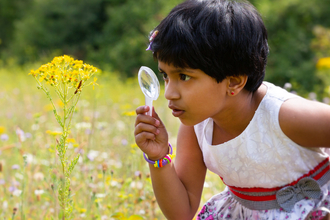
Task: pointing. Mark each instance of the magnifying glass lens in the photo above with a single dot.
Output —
(148, 87)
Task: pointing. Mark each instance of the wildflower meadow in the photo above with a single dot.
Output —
(87, 167)
(67, 148)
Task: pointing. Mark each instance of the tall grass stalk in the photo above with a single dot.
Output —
(68, 77)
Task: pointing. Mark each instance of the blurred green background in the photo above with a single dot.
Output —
(113, 35)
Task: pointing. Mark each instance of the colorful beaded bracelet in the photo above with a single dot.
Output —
(162, 162)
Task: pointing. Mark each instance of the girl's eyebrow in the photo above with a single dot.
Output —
(178, 70)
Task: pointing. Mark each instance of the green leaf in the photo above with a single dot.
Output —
(73, 164)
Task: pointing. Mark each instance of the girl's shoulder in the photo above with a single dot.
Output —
(306, 122)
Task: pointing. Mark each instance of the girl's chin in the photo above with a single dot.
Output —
(188, 122)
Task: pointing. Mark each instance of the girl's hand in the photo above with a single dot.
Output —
(150, 134)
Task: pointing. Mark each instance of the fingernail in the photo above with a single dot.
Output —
(157, 131)
(157, 123)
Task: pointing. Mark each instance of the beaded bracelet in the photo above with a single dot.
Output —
(162, 162)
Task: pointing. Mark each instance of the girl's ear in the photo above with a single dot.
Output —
(236, 84)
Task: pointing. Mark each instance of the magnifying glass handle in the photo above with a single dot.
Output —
(149, 103)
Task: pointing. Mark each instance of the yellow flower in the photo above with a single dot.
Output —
(123, 196)
(135, 217)
(94, 82)
(323, 63)
(82, 210)
(107, 180)
(131, 113)
(125, 106)
(98, 200)
(2, 129)
(134, 146)
(48, 108)
(70, 140)
(60, 103)
(66, 70)
(54, 133)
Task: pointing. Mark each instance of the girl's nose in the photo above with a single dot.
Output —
(171, 91)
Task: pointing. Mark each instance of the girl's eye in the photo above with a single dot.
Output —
(164, 75)
(184, 77)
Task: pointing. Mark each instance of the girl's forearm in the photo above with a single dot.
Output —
(171, 194)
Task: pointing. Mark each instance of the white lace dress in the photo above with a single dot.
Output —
(259, 163)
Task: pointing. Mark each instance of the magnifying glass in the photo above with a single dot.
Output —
(149, 85)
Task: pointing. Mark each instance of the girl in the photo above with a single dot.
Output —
(266, 144)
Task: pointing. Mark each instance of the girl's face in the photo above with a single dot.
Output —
(193, 95)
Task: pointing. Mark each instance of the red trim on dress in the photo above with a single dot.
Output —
(273, 197)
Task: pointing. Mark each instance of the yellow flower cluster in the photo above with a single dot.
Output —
(66, 70)
(323, 63)
(130, 113)
(54, 133)
(2, 129)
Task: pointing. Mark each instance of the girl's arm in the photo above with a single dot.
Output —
(177, 187)
(306, 122)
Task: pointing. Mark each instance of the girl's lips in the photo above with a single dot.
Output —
(177, 112)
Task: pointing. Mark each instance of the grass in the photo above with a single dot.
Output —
(111, 179)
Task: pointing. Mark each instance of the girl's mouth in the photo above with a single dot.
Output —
(177, 112)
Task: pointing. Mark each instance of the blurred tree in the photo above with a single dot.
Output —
(66, 26)
(321, 45)
(125, 35)
(290, 26)
(10, 11)
(113, 34)
(321, 42)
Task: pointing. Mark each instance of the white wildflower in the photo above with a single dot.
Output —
(120, 125)
(38, 192)
(287, 86)
(38, 176)
(17, 192)
(100, 195)
(19, 176)
(114, 183)
(44, 162)
(92, 154)
(83, 125)
(136, 184)
(29, 158)
(35, 127)
(142, 212)
(5, 205)
(104, 155)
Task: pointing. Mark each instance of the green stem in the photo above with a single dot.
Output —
(59, 95)
(72, 110)
(64, 150)
(22, 196)
(50, 99)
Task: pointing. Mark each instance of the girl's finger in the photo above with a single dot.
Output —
(142, 109)
(142, 118)
(143, 136)
(142, 127)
